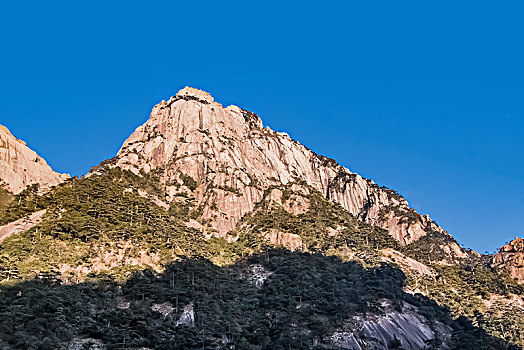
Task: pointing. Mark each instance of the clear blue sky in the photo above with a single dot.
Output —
(425, 97)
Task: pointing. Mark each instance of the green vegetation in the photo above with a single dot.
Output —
(102, 243)
(94, 214)
(304, 300)
(188, 181)
(352, 238)
(468, 287)
(16, 206)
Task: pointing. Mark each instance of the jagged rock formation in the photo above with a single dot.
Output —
(21, 167)
(223, 159)
(511, 257)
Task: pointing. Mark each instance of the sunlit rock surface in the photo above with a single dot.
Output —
(21, 167)
(233, 159)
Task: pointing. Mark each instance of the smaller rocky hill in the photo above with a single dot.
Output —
(21, 167)
(511, 257)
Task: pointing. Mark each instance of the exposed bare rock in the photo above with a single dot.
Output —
(335, 231)
(21, 167)
(165, 308)
(153, 199)
(454, 249)
(21, 225)
(146, 195)
(293, 200)
(188, 316)
(393, 256)
(296, 205)
(195, 224)
(290, 241)
(511, 257)
(296, 200)
(226, 159)
(85, 343)
(394, 330)
(257, 274)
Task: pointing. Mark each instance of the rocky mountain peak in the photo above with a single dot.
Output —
(511, 257)
(192, 93)
(21, 167)
(5, 130)
(224, 161)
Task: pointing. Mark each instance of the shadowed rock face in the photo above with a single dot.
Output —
(511, 257)
(233, 159)
(394, 330)
(21, 167)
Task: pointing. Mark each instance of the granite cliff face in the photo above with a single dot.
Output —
(223, 159)
(511, 257)
(21, 167)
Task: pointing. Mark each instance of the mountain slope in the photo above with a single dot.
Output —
(208, 231)
(230, 160)
(21, 167)
(98, 270)
(275, 300)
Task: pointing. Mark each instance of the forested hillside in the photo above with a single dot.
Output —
(113, 266)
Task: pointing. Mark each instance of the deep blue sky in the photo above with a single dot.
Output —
(424, 97)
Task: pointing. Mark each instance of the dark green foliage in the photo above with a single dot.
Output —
(467, 285)
(188, 181)
(428, 248)
(105, 213)
(485, 280)
(306, 298)
(230, 189)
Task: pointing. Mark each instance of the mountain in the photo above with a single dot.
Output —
(233, 159)
(209, 231)
(21, 167)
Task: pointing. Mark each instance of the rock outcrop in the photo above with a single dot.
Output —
(188, 316)
(394, 330)
(21, 225)
(394, 257)
(511, 257)
(223, 159)
(21, 167)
